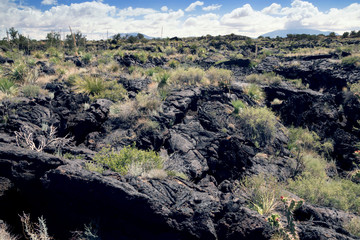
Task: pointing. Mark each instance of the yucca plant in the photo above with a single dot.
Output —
(162, 79)
(19, 73)
(90, 85)
(7, 86)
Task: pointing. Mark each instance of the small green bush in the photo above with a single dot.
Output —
(301, 139)
(7, 86)
(218, 76)
(147, 101)
(190, 76)
(19, 73)
(170, 50)
(353, 226)
(86, 58)
(113, 91)
(355, 88)
(238, 105)
(73, 79)
(129, 160)
(30, 91)
(255, 92)
(174, 63)
(351, 61)
(90, 85)
(325, 192)
(142, 56)
(258, 124)
(263, 193)
(162, 79)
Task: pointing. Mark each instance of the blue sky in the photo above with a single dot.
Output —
(177, 18)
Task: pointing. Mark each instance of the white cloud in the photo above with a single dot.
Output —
(212, 7)
(49, 2)
(192, 6)
(96, 18)
(134, 12)
(272, 9)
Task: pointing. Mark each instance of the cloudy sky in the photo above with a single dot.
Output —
(102, 18)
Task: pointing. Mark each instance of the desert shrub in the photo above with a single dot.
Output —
(30, 91)
(190, 76)
(125, 111)
(152, 71)
(258, 124)
(355, 88)
(174, 63)
(113, 91)
(90, 85)
(238, 105)
(263, 193)
(162, 79)
(325, 192)
(53, 52)
(170, 50)
(61, 71)
(148, 101)
(218, 76)
(301, 139)
(353, 226)
(129, 160)
(94, 167)
(142, 56)
(255, 92)
(73, 79)
(7, 87)
(314, 166)
(38, 54)
(86, 58)
(351, 61)
(19, 73)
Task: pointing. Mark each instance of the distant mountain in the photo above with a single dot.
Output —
(134, 35)
(284, 33)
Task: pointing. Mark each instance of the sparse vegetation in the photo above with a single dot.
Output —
(129, 160)
(263, 193)
(258, 124)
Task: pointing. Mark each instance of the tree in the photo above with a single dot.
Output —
(13, 33)
(53, 39)
(80, 40)
(345, 34)
(332, 34)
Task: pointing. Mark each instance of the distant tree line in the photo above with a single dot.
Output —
(352, 34)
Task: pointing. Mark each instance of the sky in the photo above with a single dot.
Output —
(100, 19)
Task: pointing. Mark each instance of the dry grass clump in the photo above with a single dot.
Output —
(218, 76)
(190, 76)
(263, 193)
(5, 233)
(125, 111)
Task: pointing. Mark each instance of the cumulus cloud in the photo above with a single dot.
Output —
(96, 18)
(134, 12)
(212, 7)
(272, 9)
(193, 6)
(49, 2)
